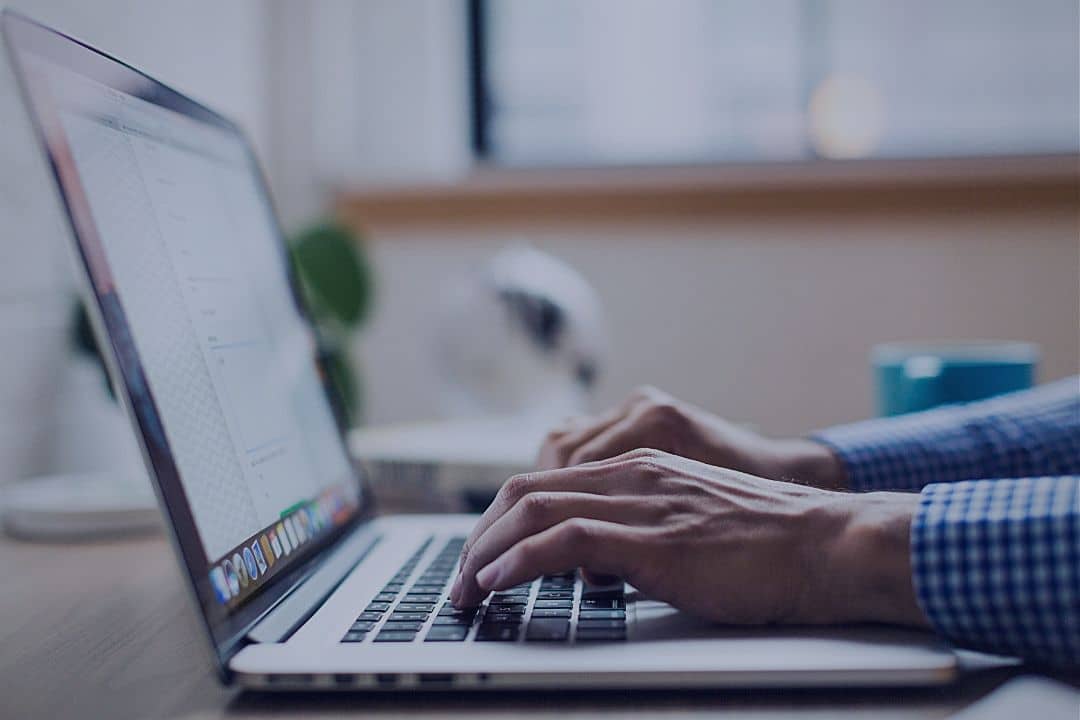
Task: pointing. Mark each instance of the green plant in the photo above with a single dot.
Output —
(336, 283)
(338, 289)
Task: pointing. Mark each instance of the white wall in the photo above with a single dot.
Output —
(768, 320)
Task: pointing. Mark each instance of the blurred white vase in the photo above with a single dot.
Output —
(523, 334)
(34, 351)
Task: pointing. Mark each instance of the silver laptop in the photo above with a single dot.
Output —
(298, 582)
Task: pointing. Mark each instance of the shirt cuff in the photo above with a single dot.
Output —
(903, 453)
(996, 565)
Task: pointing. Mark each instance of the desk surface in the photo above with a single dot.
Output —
(105, 630)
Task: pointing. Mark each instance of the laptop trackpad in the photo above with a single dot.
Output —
(658, 621)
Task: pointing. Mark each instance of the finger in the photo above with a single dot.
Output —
(598, 546)
(535, 513)
(596, 580)
(607, 477)
(559, 444)
(616, 439)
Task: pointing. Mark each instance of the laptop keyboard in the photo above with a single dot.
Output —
(554, 609)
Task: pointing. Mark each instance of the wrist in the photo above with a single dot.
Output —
(866, 570)
(809, 463)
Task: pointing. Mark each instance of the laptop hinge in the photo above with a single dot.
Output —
(295, 609)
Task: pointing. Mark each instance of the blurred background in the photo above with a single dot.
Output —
(756, 191)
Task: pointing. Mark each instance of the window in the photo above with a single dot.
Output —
(614, 82)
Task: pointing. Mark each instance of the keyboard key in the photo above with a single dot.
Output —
(506, 609)
(368, 615)
(447, 633)
(547, 630)
(415, 607)
(420, 598)
(510, 600)
(501, 619)
(551, 613)
(362, 626)
(515, 592)
(603, 604)
(466, 621)
(554, 604)
(393, 587)
(449, 609)
(410, 626)
(599, 634)
(497, 633)
(427, 588)
(555, 595)
(601, 614)
(407, 616)
(351, 637)
(395, 636)
(601, 624)
(377, 607)
(385, 597)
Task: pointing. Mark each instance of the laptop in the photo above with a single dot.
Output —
(298, 582)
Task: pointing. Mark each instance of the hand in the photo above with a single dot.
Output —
(720, 544)
(653, 419)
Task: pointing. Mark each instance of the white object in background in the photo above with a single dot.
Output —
(35, 292)
(88, 429)
(523, 336)
(436, 466)
(76, 507)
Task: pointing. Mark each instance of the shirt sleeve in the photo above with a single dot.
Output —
(1025, 434)
(996, 565)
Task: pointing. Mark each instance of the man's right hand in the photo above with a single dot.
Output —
(651, 418)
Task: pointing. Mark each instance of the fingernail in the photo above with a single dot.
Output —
(455, 588)
(488, 576)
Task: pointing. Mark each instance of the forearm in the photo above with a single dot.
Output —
(1026, 434)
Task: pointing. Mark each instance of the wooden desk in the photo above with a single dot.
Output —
(104, 630)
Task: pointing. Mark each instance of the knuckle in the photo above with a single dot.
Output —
(651, 467)
(518, 486)
(535, 506)
(665, 413)
(580, 456)
(643, 454)
(554, 435)
(648, 459)
(575, 531)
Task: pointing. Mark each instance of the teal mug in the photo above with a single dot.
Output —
(918, 376)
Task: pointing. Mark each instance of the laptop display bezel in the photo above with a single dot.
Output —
(225, 629)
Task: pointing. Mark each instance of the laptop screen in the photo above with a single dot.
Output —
(184, 255)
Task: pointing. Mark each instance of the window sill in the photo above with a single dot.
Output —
(494, 193)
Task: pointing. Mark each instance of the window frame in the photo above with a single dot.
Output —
(1006, 166)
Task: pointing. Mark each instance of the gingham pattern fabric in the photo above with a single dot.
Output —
(1025, 434)
(996, 565)
(996, 540)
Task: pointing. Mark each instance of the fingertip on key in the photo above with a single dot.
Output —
(455, 589)
(488, 576)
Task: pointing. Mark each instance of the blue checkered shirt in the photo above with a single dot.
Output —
(995, 542)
